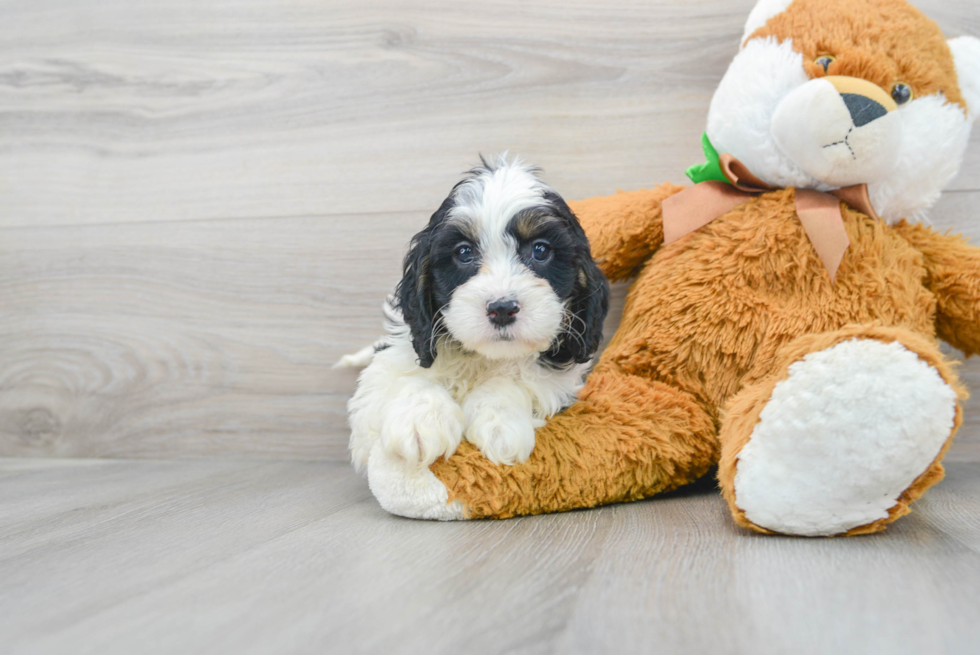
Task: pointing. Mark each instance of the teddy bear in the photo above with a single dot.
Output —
(781, 327)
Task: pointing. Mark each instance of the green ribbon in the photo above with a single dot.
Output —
(711, 169)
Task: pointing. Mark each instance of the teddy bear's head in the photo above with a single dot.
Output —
(827, 94)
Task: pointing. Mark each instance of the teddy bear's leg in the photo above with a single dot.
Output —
(626, 438)
(839, 437)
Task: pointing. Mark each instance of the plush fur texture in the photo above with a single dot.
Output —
(404, 489)
(743, 414)
(761, 13)
(842, 437)
(791, 128)
(966, 57)
(494, 324)
(760, 77)
(715, 322)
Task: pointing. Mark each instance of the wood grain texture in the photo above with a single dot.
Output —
(194, 338)
(142, 340)
(117, 111)
(202, 205)
(296, 557)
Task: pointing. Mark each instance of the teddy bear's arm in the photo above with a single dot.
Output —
(624, 229)
(953, 267)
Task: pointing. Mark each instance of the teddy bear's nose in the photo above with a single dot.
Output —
(865, 101)
(862, 108)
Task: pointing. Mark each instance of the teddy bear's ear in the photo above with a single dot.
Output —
(966, 56)
(761, 13)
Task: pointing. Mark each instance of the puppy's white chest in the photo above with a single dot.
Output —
(461, 374)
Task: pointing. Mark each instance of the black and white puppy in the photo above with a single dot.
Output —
(491, 329)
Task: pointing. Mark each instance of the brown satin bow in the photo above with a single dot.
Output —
(819, 212)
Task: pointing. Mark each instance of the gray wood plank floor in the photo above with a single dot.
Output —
(289, 557)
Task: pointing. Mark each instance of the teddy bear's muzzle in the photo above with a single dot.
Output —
(840, 130)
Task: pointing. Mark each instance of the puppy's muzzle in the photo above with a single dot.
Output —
(503, 312)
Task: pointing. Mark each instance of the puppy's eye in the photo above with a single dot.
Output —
(901, 93)
(824, 61)
(541, 252)
(463, 253)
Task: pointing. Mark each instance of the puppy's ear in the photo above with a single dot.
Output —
(414, 294)
(587, 307)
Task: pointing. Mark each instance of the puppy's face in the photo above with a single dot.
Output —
(506, 271)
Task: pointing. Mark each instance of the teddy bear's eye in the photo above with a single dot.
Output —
(824, 61)
(901, 93)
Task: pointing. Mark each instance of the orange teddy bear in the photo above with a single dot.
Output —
(783, 321)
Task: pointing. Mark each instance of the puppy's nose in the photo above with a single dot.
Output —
(501, 312)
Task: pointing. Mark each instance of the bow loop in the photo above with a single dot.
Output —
(741, 177)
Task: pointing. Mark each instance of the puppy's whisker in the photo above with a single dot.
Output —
(439, 328)
(579, 337)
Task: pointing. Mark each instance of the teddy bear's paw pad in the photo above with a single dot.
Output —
(842, 438)
(406, 490)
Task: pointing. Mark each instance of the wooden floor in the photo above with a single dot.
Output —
(202, 205)
(284, 557)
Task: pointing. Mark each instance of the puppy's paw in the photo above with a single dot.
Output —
(422, 425)
(504, 436)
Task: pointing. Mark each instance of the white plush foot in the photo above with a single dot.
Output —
(407, 490)
(500, 422)
(842, 438)
(421, 425)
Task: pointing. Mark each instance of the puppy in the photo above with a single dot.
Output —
(491, 329)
